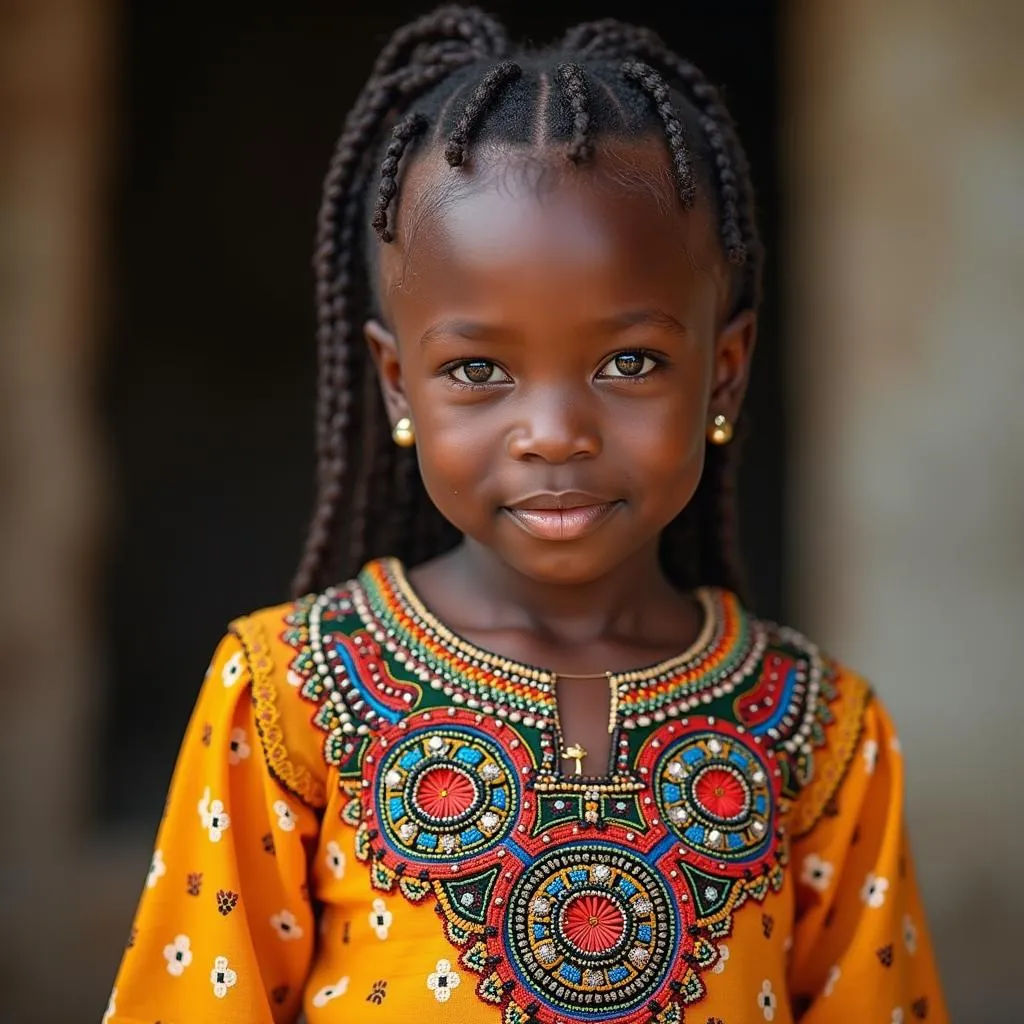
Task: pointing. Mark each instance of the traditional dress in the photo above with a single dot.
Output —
(369, 822)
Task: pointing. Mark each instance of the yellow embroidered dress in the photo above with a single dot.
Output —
(368, 823)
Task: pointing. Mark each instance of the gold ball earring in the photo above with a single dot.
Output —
(402, 434)
(721, 430)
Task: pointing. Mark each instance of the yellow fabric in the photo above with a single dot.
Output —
(226, 930)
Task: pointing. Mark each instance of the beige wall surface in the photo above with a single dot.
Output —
(905, 285)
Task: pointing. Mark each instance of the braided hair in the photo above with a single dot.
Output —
(448, 80)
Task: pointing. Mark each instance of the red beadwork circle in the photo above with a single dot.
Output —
(445, 792)
(721, 793)
(592, 923)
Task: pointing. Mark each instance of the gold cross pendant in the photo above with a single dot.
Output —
(577, 753)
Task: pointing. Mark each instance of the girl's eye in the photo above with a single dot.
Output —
(629, 364)
(478, 371)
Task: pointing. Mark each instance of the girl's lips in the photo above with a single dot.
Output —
(562, 523)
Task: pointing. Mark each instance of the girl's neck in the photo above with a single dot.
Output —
(471, 589)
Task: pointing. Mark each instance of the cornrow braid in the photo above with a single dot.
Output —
(655, 86)
(483, 96)
(445, 80)
(574, 87)
(609, 38)
(408, 128)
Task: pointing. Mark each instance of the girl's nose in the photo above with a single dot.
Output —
(555, 429)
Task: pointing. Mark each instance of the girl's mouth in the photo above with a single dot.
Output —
(568, 522)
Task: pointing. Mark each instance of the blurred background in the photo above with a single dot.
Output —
(160, 167)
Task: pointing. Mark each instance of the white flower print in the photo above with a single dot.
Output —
(329, 992)
(442, 981)
(380, 919)
(873, 890)
(816, 872)
(870, 751)
(285, 925)
(285, 816)
(830, 982)
(222, 977)
(213, 816)
(897, 1016)
(723, 955)
(157, 869)
(239, 748)
(335, 859)
(111, 1008)
(767, 1000)
(909, 934)
(219, 821)
(232, 669)
(178, 955)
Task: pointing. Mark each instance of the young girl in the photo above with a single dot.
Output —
(540, 764)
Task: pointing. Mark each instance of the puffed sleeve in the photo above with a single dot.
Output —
(861, 948)
(225, 930)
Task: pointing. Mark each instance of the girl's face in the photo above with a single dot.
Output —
(556, 336)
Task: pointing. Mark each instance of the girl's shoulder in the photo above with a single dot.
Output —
(313, 673)
(812, 710)
(287, 700)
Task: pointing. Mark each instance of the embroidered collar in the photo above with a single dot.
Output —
(728, 648)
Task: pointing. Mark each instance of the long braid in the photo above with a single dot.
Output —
(337, 250)
(332, 388)
(372, 483)
(337, 235)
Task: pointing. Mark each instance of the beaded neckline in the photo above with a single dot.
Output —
(728, 646)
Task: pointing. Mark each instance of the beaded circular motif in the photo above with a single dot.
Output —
(715, 792)
(592, 928)
(444, 793)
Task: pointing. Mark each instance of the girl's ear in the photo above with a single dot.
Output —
(384, 351)
(734, 348)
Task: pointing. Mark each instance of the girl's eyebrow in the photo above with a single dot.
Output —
(473, 330)
(478, 331)
(648, 317)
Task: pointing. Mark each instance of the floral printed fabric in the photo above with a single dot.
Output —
(225, 928)
(256, 909)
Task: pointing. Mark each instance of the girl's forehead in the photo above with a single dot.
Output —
(616, 217)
